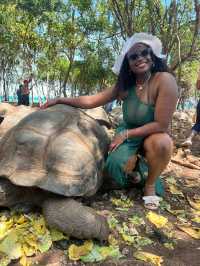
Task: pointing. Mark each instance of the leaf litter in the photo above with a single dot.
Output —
(30, 236)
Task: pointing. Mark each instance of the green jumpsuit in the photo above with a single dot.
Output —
(135, 114)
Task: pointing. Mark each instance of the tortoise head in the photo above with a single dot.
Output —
(8, 193)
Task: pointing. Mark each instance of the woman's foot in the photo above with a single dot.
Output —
(151, 201)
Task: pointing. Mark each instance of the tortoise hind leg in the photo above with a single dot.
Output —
(74, 219)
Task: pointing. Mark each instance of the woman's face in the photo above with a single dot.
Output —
(139, 58)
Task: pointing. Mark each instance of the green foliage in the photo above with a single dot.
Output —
(38, 7)
(74, 43)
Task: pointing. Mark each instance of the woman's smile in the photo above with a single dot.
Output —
(141, 64)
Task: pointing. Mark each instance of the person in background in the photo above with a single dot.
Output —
(196, 128)
(19, 95)
(141, 148)
(26, 91)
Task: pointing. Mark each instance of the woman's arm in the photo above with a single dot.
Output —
(86, 102)
(164, 108)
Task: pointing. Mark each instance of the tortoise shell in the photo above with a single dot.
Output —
(60, 149)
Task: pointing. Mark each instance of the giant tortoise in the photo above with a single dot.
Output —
(50, 158)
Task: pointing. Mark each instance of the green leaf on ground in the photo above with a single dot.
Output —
(101, 253)
(5, 261)
(175, 190)
(124, 202)
(112, 222)
(171, 180)
(75, 252)
(136, 220)
(10, 246)
(44, 242)
(57, 235)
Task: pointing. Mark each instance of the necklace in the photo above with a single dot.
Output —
(142, 84)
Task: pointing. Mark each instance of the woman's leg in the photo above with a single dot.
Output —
(158, 150)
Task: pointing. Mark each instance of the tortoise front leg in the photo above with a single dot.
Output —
(74, 219)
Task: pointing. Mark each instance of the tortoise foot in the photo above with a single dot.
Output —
(74, 219)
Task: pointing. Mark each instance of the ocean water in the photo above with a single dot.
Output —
(13, 99)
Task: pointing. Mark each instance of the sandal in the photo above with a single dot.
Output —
(151, 202)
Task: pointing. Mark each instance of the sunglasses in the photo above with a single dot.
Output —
(145, 53)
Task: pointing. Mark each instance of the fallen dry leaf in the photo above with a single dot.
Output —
(175, 190)
(148, 257)
(194, 203)
(158, 220)
(191, 183)
(75, 252)
(192, 231)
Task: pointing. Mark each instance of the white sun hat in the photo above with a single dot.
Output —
(141, 37)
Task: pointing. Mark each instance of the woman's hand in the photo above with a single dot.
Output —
(49, 103)
(118, 140)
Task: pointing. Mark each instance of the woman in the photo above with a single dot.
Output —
(149, 94)
(196, 128)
